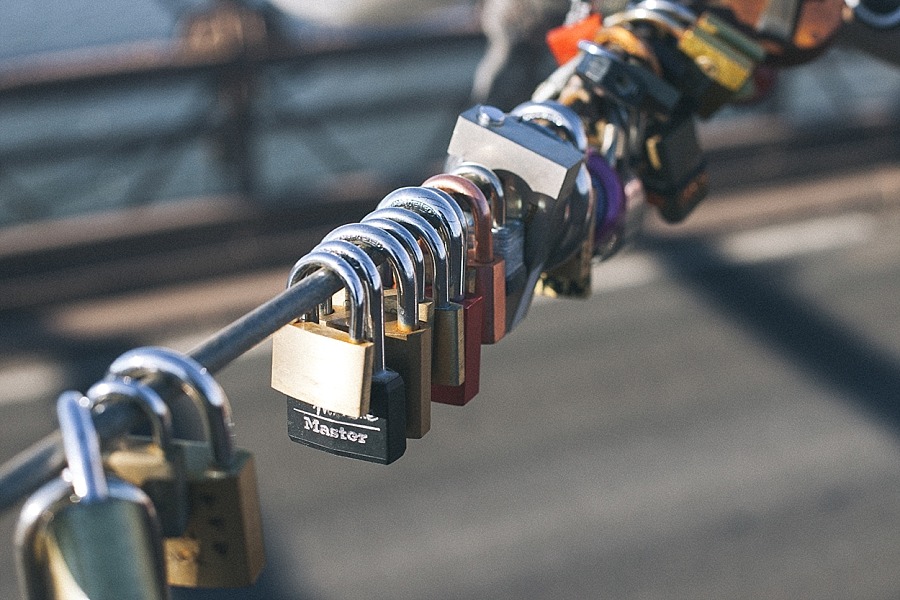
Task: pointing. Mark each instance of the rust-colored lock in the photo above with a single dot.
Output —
(485, 273)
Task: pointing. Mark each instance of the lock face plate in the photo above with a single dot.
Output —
(379, 436)
(320, 365)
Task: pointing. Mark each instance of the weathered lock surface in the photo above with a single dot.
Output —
(88, 536)
(222, 546)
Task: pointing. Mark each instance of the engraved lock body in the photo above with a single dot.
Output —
(382, 431)
(88, 536)
(407, 340)
(448, 355)
(222, 546)
(156, 464)
(447, 366)
(323, 366)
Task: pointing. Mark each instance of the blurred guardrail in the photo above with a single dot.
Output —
(228, 108)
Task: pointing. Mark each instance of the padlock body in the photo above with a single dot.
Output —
(448, 357)
(222, 546)
(490, 284)
(107, 550)
(459, 395)
(379, 436)
(673, 169)
(409, 354)
(321, 366)
(161, 477)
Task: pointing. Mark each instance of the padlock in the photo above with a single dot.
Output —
(407, 343)
(608, 233)
(380, 435)
(411, 245)
(563, 40)
(539, 171)
(85, 535)
(423, 199)
(222, 546)
(633, 86)
(447, 318)
(719, 59)
(486, 273)
(508, 232)
(156, 464)
(673, 168)
(320, 365)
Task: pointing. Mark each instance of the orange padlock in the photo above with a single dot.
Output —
(485, 273)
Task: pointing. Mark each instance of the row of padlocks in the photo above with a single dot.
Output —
(529, 198)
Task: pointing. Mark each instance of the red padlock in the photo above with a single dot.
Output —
(485, 273)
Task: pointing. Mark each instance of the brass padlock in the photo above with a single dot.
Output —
(222, 546)
(407, 342)
(486, 272)
(381, 433)
(156, 465)
(84, 535)
(307, 353)
(447, 366)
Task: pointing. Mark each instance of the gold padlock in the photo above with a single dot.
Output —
(156, 465)
(306, 353)
(222, 546)
(407, 343)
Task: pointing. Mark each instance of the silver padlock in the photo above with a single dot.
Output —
(543, 178)
(85, 535)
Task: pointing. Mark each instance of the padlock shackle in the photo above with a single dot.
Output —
(402, 266)
(35, 513)
(489, 184)
(658, 19)
(670, 9)
(109, 391)
(197, 383)
(344, 270)
(461, 188)
(434, 243)
(558, 115)
(441, 211)
(410, 245)
(367, 271)
(82, 447)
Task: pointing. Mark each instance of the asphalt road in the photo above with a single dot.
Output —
(720, 420)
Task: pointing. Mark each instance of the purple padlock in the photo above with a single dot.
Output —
(611, 211)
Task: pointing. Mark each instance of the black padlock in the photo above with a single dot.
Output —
(673, 168)
(380, 435)
(628, 84)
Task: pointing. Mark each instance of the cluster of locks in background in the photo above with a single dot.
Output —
(529, 199)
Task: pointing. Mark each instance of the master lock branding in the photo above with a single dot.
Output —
(331, 424)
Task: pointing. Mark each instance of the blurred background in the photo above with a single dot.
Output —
(721, 419)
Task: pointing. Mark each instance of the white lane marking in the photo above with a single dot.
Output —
(29, 382)
(784, 241)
